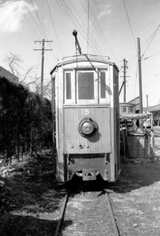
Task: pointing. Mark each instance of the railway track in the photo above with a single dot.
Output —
(89, 214)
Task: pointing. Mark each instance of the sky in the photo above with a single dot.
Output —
(105, 27)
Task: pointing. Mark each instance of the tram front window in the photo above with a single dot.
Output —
(86, 85)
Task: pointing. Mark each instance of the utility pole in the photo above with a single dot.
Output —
(147, 101)
(140, 75)
(43, 49)
(125, 67)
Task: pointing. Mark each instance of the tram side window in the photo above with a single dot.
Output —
(86, 85)
(103, 84)
(104, 87)
(69, 88)
(68, 85)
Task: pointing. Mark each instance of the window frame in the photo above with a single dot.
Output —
(95, 78)
(72, 100)
(107, 99)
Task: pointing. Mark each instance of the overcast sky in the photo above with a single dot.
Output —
(113, 28)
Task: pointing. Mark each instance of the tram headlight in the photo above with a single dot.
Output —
(87, 127)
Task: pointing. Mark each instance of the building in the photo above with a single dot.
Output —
(8, 75)
(155, 110)
(130, 107)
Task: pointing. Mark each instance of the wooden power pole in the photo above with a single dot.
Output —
(124, 78)
(43, 49)
(124, 67)
(147, 102)
(140, 75)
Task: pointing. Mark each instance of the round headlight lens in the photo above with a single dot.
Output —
(87, 127)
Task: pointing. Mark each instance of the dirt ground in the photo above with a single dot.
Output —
(136, 199)
(30, 203)
(29, 200)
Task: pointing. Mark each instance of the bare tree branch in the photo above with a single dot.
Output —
(14, 61)
(27, 73)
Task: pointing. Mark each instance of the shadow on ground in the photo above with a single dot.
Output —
(135, 174)
(34, 200)
(31, 201)
(11, 225)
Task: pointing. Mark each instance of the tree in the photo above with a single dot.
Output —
(14, 63)
(25, 120)
(26, 76)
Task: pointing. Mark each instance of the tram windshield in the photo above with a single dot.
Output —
(86, 85)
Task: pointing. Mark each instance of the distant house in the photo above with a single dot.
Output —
(8, 75)
(155, 110)
(130, 107)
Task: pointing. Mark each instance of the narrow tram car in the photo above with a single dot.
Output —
(86, 108)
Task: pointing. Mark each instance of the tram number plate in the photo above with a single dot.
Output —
(89, 174)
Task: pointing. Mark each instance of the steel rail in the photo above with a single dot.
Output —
(62, 214)
(113, 218)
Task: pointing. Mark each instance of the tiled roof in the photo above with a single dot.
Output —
(154, 108)
(8, 75)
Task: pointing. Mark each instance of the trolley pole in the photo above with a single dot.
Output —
(77, 44)
(124, 78)
(140, 75)
(43, 49)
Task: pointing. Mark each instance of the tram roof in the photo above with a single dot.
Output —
(83, 58)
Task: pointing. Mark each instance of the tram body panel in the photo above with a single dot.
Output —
(100, 150)
(76, 143)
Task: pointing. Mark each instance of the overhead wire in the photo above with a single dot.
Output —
(153, 55)
(129, 21)
(88, 13)
(73, 17)
(87, 22)
(152, 37)
(97, 26)
(37, 15)
(131, 30)
(52, 23)
(39, 19)
(91, 28)
(88, 26)
(35, 22)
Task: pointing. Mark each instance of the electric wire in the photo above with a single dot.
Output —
(129, 21)
(153, 55)
(74, 18)
(53, 25)
(97, 26)
(96, 44)
(35, 22)
(152, 37)
(37, 15)
(92, 31)
(88, 26)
